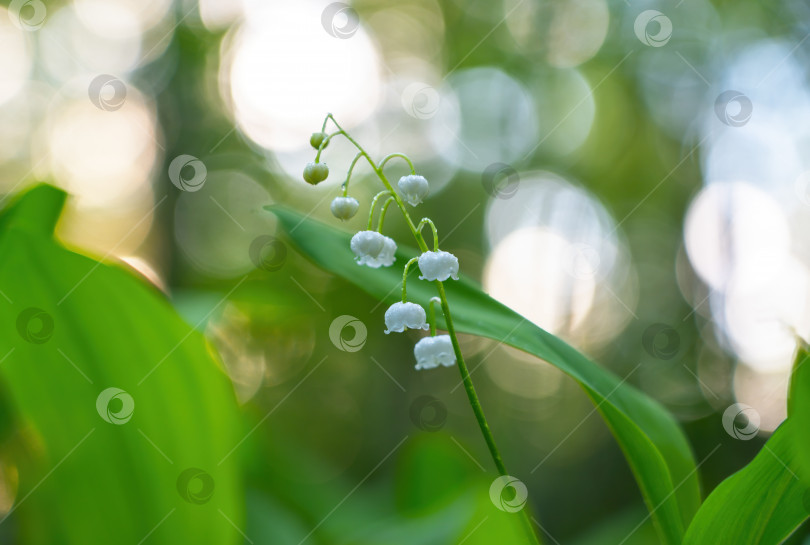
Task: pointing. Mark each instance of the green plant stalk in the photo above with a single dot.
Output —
(472, 396)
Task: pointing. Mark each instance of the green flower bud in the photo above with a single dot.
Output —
(317, 139)
(344, 208)
(315, 173)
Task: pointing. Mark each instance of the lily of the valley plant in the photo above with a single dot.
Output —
(373, 249)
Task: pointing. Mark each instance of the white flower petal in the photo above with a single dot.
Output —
(438, 265)
(384, 258)
(402, 316)
(430, 352)
(414, 188)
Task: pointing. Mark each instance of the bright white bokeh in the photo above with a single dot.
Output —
(558, 260)
(282, 72)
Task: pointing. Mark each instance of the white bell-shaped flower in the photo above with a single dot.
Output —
(414, 188)
(431, 352)
(373, 249)
(402, 316)
(344, 208)
(439, 265)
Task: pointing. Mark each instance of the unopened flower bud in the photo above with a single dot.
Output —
(344, 208)
(314, 173)
(317, 139)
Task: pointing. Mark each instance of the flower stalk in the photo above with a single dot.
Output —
(415, 188)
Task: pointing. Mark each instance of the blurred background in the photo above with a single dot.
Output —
(631, 176)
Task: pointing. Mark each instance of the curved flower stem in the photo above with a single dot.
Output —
(428, 221)
(349, 174)
(371, 208)
(432, 315)
(405, 278)
(472, 396)
(385, 205)
(324, 143)
(401, 155)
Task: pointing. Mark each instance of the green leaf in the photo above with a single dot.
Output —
(799, 410)
(116, 467)
(652, 441)
(759, 505)
(766, 501)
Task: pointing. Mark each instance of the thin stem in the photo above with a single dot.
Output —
(465, 374)
(373, 204)
(349, 174)
(385, 205)
(381, 175)
(324, 143)
(405, 278)
(476, 404)
(401, 155)
(432, 315)
(428, 221)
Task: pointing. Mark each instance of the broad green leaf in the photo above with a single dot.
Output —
(652, 441)
(799, 410)
(765, 502)
(762, 504)
(98, 465)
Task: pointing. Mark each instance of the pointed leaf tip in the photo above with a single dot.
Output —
(36, 210)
